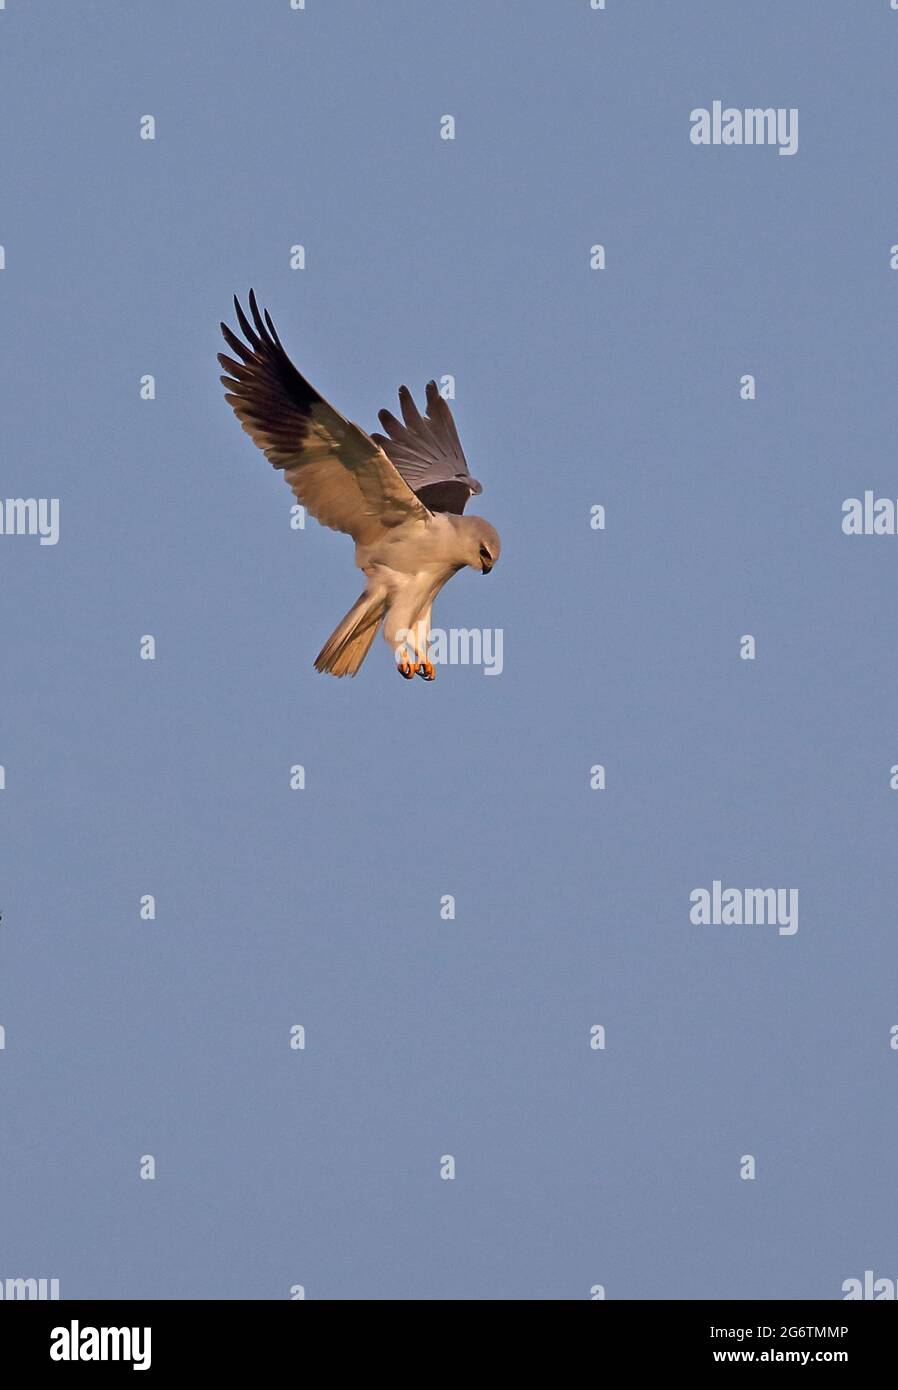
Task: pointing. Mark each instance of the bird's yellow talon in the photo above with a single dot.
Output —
(427, 671)
(407, 669)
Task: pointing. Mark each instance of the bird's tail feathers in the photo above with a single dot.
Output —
(346, 648)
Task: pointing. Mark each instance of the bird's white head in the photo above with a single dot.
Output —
(483, 544)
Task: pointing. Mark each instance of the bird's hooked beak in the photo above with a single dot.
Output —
(485, 568)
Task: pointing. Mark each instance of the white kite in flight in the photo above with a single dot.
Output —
(401, 496)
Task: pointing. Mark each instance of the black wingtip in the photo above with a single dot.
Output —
(254, 308)
(272, 330)
(238, 307)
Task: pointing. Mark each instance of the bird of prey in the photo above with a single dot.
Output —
(401, 496)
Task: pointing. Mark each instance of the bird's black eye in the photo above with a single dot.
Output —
(484, 553)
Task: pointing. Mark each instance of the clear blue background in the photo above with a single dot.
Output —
(574, 1167)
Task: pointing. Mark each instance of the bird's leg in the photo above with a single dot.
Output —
(404, 664)
(410, 645)
(426, 668)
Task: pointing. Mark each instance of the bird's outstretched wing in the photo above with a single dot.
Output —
(335, 469)
(427, 452)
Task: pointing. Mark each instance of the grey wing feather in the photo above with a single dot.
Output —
(427, 452)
